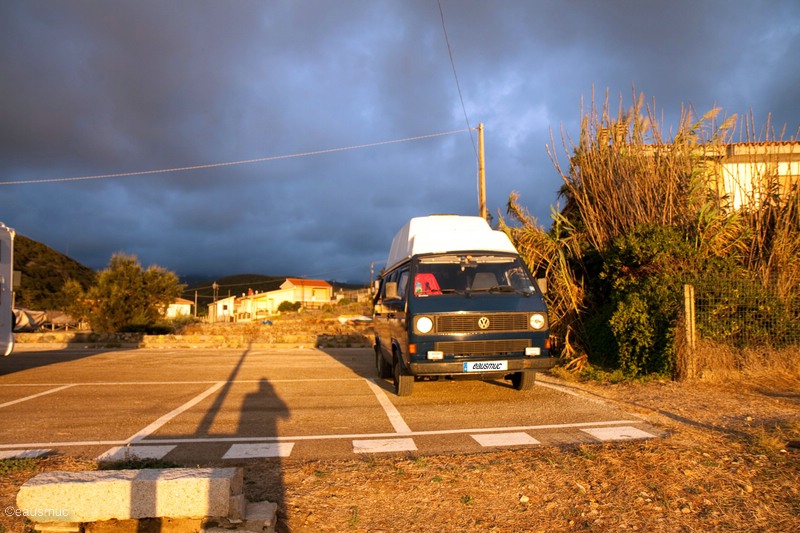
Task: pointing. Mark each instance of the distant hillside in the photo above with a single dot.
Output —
(43, 273)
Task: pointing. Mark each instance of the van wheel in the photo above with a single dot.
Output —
(523, 380)
(384, 370)
(403, 382)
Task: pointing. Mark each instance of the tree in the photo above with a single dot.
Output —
(129, 298)
(72, 299)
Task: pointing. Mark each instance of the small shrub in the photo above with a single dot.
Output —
(160, 328)
(16, 465)
(289, 307)
(645, 270)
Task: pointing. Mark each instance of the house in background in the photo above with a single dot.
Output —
(746, 173)
(309, 293)
(180, 307)
(223, 310)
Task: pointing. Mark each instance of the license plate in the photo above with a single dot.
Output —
(485, 366)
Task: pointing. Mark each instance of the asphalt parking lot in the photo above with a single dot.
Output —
(204, 406)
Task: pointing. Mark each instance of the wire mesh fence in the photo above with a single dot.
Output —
(743, 313)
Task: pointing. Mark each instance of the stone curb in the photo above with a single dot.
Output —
(62, 501)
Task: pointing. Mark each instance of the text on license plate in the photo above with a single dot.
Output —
(485, 366)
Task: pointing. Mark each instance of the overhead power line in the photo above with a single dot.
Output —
(231, 163)
(455, 75)
(479, 185)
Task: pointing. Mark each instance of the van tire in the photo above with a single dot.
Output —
(523, 380)
(403, 382)
(384, 370)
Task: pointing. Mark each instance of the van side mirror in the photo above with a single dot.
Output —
(542, 283)
(391, 290)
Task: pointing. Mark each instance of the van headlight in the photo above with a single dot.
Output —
(424, 324)
(538, 321)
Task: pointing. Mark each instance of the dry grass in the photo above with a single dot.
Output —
(720, 362)
(725, 466)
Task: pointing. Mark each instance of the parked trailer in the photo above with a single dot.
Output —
(6, 289)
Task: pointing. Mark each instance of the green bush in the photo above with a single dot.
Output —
(159, 328)
(644, 272)
(289, 307)
(597, 337)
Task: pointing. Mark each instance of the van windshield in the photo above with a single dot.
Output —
(436, 275)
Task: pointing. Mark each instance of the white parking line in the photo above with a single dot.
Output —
(125, 453)
(187, 382)
(618, 433)
(384, 445)
(155, 426)
(250, 451)
(292, 438)
(391, 411)
(505, 439)
(23, 454)
(31, 397)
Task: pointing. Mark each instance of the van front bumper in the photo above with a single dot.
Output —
(453, 367)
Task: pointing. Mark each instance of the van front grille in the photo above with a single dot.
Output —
(479, 348)
(471, 323)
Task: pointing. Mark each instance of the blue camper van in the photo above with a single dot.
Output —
(455, 300)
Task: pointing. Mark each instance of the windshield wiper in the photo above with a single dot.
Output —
(453, 291)
(501, 288)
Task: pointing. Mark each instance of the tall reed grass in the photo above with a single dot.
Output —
(625, 172)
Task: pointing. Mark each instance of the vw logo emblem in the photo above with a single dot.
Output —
(483, 322)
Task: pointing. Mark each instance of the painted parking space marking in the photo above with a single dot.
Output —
(125, 453)
(398, 437)
(291, 438)
(141, 434)
(32, 396)
(23, 454)
(505, 439)
(618, 433)
(391, 411)
(251, 451)
(384, 445)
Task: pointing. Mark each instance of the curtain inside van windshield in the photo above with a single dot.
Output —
(447, 274)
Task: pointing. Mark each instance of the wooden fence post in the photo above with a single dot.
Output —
(691, 339)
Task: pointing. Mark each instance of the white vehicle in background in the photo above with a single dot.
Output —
(6, 289)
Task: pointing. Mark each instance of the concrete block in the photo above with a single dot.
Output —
(58, 527)
(237, 507)
(261, 516)
(130, 494)
(146, 525)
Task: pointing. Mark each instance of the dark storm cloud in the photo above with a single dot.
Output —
(97, 87)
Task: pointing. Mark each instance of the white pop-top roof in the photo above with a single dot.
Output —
(446, 233)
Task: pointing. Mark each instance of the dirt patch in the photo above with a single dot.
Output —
(726, 465)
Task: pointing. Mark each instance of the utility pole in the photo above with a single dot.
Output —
(481, 175)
